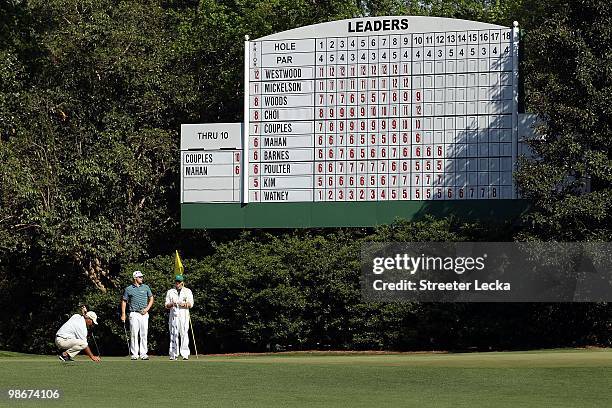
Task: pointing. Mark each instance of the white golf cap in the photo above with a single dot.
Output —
(137, 274)
(93, 316)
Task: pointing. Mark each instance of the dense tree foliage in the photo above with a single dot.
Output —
(569, 60)
(271, 292)
(92, 95)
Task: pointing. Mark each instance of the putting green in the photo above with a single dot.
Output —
(564, 378)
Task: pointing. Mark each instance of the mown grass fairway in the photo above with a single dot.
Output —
(563, 378)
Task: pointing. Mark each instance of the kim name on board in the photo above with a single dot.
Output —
(268, 182)
(282, 182)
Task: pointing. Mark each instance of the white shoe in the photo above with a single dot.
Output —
(172, 358)
(144, 357)
(185, 358)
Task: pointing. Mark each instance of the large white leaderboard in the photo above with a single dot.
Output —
(377, 109)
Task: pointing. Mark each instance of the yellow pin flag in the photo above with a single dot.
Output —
(178, 265)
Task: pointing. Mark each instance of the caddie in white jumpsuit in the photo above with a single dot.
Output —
(178, 302)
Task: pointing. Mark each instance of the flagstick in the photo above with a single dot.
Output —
(193, 337)
(178, 270)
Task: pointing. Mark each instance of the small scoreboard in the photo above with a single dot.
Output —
(352, 112)
(211, 156)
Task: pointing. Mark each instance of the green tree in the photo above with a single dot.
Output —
(568, 60)
(88, 137)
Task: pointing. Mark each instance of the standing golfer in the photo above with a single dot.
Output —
(179, 300)
(139, 298)
(72, 336)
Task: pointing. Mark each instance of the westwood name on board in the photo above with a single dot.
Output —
(287, 73)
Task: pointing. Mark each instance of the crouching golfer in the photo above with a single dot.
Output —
(72, 336)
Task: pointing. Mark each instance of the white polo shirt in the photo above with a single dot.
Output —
(185, 297)
(74, 328)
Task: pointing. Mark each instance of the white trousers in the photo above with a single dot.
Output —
(72, 346)
(179, 330)
(139, 328)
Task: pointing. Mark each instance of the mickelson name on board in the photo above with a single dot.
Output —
(390, 24)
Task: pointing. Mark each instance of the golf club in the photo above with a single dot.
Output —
(127, 339)
(95, 342)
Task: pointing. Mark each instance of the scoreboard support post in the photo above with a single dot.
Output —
(245, 130)
(515, 85)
